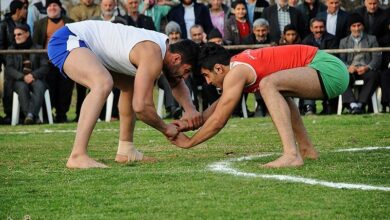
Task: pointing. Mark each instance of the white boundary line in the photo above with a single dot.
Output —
(46, 131)
(225, 167)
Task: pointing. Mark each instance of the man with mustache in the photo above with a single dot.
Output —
(306, 73)
(320, 38)
(100, 55)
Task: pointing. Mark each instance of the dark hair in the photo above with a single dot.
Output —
(188, 50)
(317, 20)
(23, 27)
(214, 33)
(289, 27)
(211, 54)
(15, 4)
(237, 2)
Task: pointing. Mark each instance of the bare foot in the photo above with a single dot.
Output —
(309, 153)
(83, 162)
(285, 161)
(124, 159)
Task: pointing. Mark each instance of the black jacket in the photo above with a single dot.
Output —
(328, 41)
(14, 67)
(143, 21)
(202, 17)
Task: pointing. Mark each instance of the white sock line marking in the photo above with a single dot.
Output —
(225, 167)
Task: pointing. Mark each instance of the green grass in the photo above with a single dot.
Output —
(35, 182)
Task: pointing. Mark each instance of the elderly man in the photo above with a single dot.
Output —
(374, 17)
(260, 33)
(136, 19)
(172, 108)
(107, 8)
(281, 14)
(197, 34)
(101, 55)
(172, 29)
(60, 88)
(360, 65)
(29, 73)
(335, 19)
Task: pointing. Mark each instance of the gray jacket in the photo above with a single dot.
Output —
(368, 41)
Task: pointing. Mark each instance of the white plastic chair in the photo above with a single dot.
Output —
(373, 99)
(16, 109)
(109, 104)
(160, 102)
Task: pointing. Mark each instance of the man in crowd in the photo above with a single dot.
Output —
(362, 66)
(28, 72)
(60, 88)
(320, 38)
(17, 15)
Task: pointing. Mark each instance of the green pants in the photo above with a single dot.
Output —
(332, 72)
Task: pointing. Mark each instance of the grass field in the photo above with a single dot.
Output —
(35, 183)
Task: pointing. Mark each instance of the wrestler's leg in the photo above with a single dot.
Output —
(306, 147)
(298, 82)
(83, 67)
(126, 149)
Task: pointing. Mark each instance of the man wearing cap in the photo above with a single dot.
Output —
(361, 66)
(172, 29)
(60, 88)
(28, 72)
(215, 36)
(172, 108)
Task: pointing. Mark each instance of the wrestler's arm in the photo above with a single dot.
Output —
(147, 73)
(233, 86)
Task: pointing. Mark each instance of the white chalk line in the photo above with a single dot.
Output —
(47, 131)
(225, 167)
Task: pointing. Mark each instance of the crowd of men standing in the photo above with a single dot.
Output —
(324, 24)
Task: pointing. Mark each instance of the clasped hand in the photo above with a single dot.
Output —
(190, 121)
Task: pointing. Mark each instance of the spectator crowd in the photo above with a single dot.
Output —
(326, 24)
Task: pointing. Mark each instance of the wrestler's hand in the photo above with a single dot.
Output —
(193, 118)
(181, 141)
(171, 131)
(182, 125)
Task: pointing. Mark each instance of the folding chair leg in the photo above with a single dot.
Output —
(15, 109)
(48, 107)
(160, 102)
(109, 104)
(243, 107)
(374, 103)
(340, 105)
(40, 115)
